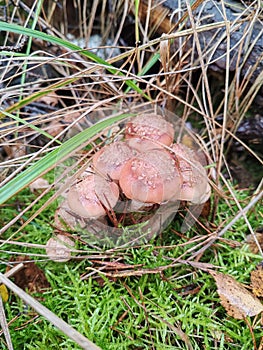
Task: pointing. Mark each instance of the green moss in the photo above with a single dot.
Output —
(137, 312)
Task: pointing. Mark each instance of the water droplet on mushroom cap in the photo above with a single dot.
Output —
(150, 177)
(143, 145)
(89, 197)
(110, 159)
(195, 187)
(150, 126)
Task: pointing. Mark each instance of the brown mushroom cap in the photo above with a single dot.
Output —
(195, 187)
(89, 197)
(143, 145)
(150, 177)
(110, 159)
(150, 126)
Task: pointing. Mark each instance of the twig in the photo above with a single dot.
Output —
(4, 326)
(230, 224)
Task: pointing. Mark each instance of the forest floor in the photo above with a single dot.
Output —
(71, 75)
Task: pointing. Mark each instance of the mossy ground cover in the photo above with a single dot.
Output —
(167, 310)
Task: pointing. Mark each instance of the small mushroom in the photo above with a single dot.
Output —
(195, 187)
(91, 196)
(151, 127)
(59, 248)
(150, 177)
(110, 159)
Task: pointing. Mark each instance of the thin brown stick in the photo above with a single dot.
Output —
(241, 214)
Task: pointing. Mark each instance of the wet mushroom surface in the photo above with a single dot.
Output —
(152, 127)
(141, 171)
(89, 197)
(110, 159)
(195, 187)
(150, 177)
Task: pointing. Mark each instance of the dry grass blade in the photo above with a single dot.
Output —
(242, 213)
(123, 270)
(4, 326)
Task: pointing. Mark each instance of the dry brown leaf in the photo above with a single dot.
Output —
(257, 280)
(50, 99)
(56, 126)
(15, 151)
(251, 241)
(236, 299)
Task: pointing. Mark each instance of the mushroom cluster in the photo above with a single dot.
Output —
(145, 167)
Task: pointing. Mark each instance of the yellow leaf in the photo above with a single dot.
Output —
(4, 292)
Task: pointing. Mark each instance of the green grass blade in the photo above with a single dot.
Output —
(51, 159)
(15, 28)
(30, 125)
(147, 67)
(29, 46)
(36, 95)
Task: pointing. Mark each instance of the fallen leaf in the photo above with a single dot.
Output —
(206, 209)
(3, 293)
(252, 243)
(190, 289)
(15, 150)
(257, 280)
(50, 99)
(56, 126)
(235, 298)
